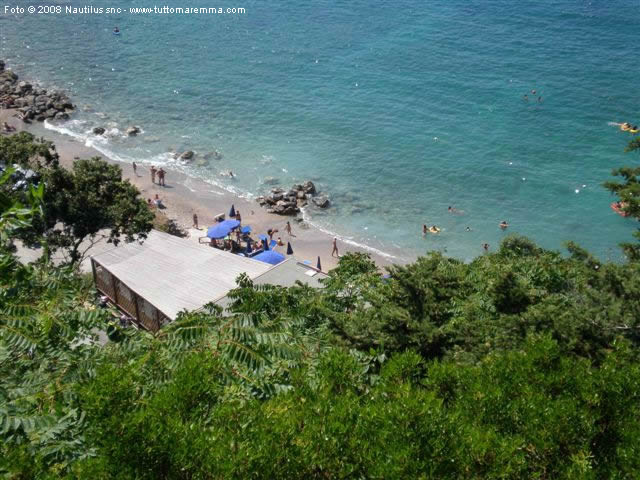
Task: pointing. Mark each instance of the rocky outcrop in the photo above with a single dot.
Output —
(289, 202)
(30, 101)
(99, 130)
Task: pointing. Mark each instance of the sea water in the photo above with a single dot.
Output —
(396, 109)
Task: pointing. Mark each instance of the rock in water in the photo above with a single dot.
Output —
(321, 201)
(99, 130)
(309, 187)
(133, 130)
(188, 155)
(270, 181)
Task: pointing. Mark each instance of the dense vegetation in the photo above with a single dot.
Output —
(521, 364)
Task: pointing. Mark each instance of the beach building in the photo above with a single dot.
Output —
(155, 280)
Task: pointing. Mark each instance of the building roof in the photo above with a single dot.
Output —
(286, 274)
(174, 274)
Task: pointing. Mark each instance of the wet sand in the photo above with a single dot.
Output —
(183, 196)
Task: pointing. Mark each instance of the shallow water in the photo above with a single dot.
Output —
(397, 111)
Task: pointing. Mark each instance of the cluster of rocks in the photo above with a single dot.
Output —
(131, 131)
(289, 202)
(33, 103)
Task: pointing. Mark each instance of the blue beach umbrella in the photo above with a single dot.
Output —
(318, 266)
(246, 229)
(270, 256)
(222, 229)
(232, 212)
(289, 249)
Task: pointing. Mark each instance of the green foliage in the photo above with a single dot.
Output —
(28, 152)
(520, 364)
(88, 199)
(628, 193)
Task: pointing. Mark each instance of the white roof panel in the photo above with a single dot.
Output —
(174, 274)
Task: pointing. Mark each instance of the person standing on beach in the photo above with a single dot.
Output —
(161, 173)
(195, 221)
(335, 248)
(153, 173)
(238, 217)
(135, 169)
(287, 228)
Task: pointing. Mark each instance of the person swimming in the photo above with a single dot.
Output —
(504, 225)
(116, 30)
(424, 230)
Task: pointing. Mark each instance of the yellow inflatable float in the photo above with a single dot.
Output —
(627, 127)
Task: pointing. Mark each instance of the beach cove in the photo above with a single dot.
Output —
(396, 114)
(183, 196)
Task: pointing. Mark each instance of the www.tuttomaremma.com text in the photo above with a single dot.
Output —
(91, 10)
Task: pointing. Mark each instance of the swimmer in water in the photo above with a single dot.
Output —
(504, 225)
(116, 30)
(424, 230)
(533, 92)
(468, 229)
(539, 99)
(485, 246)
(525, 97)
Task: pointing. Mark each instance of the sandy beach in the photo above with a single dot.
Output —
(183, 196)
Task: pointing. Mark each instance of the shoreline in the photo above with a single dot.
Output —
(185, 195)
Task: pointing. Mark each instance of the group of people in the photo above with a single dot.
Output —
(156, 202)
(525, 97)
(160, 173)
(503, 225)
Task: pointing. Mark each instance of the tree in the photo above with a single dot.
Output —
(27, 151)
(629, 194)
(91, 198)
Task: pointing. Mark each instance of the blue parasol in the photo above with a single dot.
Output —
(232, 212)
(246, 229)
(270, 256)
(318, 266)
(289, 249)
(222, 229)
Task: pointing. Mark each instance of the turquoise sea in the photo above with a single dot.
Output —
(396, 109)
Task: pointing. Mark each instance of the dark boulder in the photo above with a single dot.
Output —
(321, 201)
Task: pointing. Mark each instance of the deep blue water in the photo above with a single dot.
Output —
(397, 109)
